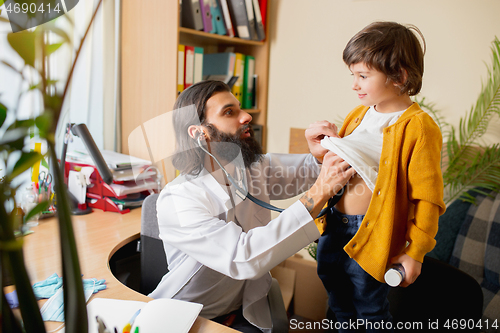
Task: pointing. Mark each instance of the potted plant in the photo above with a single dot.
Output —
(34, 49)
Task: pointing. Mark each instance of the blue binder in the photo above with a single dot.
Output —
(217, 18)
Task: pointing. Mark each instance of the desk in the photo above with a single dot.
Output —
(98, 236)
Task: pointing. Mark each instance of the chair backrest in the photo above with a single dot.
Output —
(153, 259)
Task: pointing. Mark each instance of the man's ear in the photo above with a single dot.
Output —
(194, 131)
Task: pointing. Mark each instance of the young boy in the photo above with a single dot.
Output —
(389, 211)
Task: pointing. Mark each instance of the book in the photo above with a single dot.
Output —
(159, 315)
(188, 66)
(248, 89)
(219, 64)
(180, 68)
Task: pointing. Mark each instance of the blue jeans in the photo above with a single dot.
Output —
(355, 297)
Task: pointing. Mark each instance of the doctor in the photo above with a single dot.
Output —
(219, 247)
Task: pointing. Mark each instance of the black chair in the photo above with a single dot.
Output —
(154, 264)
(443, 298)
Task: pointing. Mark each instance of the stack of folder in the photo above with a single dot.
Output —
(133, 180)
(234, 18)
(229, 65)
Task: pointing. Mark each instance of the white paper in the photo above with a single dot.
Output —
(77, 186)
(159, 315)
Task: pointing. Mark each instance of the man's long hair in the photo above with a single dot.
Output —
(188, 158)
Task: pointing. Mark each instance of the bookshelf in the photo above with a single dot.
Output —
(150, 36)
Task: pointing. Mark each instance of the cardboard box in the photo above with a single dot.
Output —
(310, 299)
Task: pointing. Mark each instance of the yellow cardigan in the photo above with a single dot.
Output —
(408, 196)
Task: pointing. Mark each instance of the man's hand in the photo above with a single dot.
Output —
(334, 174)
(315, 133)
(411, 266)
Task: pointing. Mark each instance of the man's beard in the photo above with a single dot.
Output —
(250, 149)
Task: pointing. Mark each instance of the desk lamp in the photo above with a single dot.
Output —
(82, 132)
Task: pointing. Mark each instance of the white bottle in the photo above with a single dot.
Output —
(395, 275)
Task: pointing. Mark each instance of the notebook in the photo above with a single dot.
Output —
(159, 315)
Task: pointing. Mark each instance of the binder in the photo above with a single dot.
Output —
(227, 17)
(259, 24)
(237, 9)
(206, 15)
(247, 97)
(239, 70)
(189, 67)
(219, 64)
(217, 18)
(191, 15)
(180, 68)
(257, 132)
(251, 20)
(198, 65)
(263, 11)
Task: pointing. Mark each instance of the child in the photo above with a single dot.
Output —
(389, 211)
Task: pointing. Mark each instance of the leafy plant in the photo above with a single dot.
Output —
(469, 164)
(32, 47)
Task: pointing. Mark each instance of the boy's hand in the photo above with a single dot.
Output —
(315, 133)
(411, 266)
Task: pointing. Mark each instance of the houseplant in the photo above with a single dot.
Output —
(469, 165)
(33, 48)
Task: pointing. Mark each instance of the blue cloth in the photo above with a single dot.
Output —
(353, 294)
(48, 287)
(12, 299)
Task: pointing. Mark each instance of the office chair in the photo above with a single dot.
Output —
(154, 265)
(442, 295)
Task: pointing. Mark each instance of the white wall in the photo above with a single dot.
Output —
(309, 81)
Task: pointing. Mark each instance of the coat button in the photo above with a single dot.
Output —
(354, 245)
(356, 120)
(367, 224)
(345, 219)
(378, 193)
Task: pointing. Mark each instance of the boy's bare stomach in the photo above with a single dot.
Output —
(356, 198)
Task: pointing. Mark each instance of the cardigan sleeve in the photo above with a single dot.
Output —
(425, 188)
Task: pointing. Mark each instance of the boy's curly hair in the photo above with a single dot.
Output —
(392, 49)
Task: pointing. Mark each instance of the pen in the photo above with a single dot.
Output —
(101, 328)
(129, 325)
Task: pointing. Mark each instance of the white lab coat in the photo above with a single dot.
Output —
(225, 264)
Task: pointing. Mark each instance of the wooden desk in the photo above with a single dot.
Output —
(98, 235)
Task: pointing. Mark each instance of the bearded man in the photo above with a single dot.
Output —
(220, 247)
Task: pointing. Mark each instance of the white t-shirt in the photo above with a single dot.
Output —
(363, 147)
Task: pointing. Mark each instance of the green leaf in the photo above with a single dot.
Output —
(51, 48)
(26, 161)
(42, 206)
(44, 122)
(3, 114)
(23, 43)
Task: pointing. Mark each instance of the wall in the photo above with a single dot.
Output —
(309, 81)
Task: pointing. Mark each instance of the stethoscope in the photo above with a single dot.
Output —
(243, 193)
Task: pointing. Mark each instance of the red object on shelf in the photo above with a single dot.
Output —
(98, 190)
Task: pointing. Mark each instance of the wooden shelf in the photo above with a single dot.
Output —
(190, 33)
(252, 111)
(150, 39)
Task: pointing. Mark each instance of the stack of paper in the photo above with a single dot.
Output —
(131, 176)
(159, 315)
